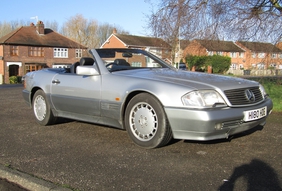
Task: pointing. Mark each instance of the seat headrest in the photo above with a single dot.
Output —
(86, 61)
(121, 62)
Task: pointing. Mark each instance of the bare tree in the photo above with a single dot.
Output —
(81, 30)
(52, 25)
(105, 30)
(5, 28)
(257, 20)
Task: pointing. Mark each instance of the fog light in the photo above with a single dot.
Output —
(218, 126)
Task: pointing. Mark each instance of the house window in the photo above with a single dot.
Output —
(261, 66)
(136, 64)
(280, 55)
(272, 65)
(233, 54)
(210, 53)
(14, 51)
(261, 55)
(156, 52)
(254, 65)
(233, 66)
(33, 67)
(78, 53)
(274, 55)
(241, 54)
(35, 51)
(219, 53)
(241, 66)
(254, 55)
(60, 53)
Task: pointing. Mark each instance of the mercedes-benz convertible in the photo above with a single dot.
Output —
(134, 90)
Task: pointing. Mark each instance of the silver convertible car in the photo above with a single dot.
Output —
(135, 90)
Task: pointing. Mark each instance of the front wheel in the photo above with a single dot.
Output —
(41, 109)
(146, 122)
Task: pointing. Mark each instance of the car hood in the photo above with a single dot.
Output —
(196, 80)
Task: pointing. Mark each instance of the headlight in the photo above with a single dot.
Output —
(262, 90)
(203, 98)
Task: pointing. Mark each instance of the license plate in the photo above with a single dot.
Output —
(255, 114)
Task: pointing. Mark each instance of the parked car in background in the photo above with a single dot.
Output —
(154, 102)
(182, 66)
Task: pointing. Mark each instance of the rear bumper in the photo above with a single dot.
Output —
(210, 124)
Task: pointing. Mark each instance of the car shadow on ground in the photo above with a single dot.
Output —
(257, 174)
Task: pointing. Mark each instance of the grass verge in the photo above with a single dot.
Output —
(273, 86)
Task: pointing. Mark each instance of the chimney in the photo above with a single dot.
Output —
(40, 27)
(115, 31)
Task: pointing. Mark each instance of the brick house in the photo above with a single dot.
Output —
(156, 46)
(216, 47)
(244, 55)
(279, 45)
(261, 55)
(31, 48)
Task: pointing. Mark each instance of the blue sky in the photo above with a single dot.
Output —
(130, 15)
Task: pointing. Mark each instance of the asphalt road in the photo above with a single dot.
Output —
(85, 156)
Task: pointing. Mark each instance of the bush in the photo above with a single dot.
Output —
(219, 64)
(15, 79)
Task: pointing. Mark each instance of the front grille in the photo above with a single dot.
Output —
(238, 96)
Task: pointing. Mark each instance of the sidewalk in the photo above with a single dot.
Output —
(10, 85)
(11, 179)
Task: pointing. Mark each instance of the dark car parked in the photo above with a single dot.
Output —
(182, 66)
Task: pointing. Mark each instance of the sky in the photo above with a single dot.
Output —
(130, 15)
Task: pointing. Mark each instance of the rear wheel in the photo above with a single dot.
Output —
(146, 122)
(41, 108)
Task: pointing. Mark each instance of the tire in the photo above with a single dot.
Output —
(146, 122)
(41, 108)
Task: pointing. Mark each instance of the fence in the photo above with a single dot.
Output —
(267, 72)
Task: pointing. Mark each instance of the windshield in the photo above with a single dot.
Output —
(128, 59)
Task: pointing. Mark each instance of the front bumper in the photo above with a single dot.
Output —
(210, 124)
(26, 97)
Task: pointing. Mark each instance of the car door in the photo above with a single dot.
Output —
(78, 94)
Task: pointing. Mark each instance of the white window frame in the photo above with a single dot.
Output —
(241, 54)
(233, 66)
(254, 55)
(210, 53)
(261, 55)
(136, 64)
(273, 65)
(273, 55)
(260, 66)
(78, 53)
(233, 54)
(61, 53)
(219, 53)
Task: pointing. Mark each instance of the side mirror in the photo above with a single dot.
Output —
(86, 70)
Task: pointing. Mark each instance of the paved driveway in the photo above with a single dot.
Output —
(84, 156)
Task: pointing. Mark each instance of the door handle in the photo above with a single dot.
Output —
(56, 81)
